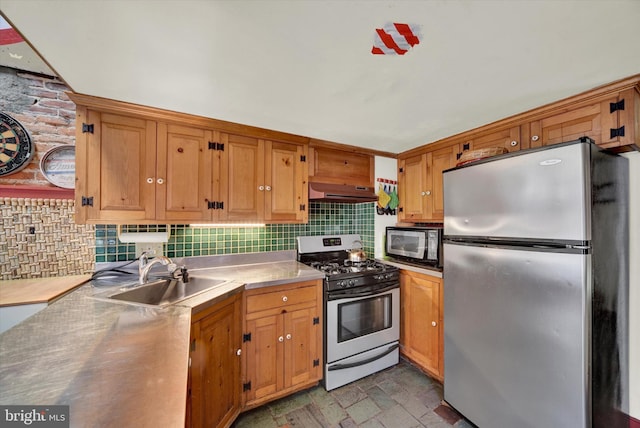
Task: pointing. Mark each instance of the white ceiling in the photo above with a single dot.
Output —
(306, 67)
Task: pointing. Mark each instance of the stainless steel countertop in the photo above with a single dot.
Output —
(121, 364)
(414, 268)
(114, 364)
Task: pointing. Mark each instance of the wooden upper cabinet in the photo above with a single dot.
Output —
(242, 174)
(509, 138)
(413, 186)
(611, 122)
(185, 173)
(263, 180)
(286, 189)
(421, 193)
(441, 160)
(329, 165)
(115, 168)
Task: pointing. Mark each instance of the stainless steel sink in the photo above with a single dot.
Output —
(162, 292)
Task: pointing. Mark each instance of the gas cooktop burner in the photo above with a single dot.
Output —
(336, 268)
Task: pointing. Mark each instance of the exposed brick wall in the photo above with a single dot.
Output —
(40, 104)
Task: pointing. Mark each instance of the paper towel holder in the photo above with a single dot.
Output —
(146, 237)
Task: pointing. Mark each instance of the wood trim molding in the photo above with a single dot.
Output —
(35, 192)
(314, 142)
(550, 109)
(121, 107)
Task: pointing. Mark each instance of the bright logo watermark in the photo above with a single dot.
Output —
(34, 416)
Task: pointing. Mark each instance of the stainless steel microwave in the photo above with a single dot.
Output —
(421, 245)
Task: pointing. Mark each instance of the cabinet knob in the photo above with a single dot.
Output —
(150, 180)
(280, 339)
(160, 181)
(285, 298)
(268, 188)
(433, 323)
(239, 352)
(428, 192)
(514, 143)
(423, 193)
(288, 337)
(261, 188)
(535, 138)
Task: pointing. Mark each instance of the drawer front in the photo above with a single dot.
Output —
(281, 299)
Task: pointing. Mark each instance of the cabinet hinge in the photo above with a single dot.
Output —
(246, 337)
(215, 205)
(616, 106)
(458, 156)
(303, 207)
(316, 320)
(617, 132)
(400, 209)
(316, 363)
(401, 170)
(465, 146)
(87, 201)
(87, 128)
(303, 158)
(192, 348)
(246, 386)
(216, 146)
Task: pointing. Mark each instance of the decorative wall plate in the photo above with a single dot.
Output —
(59, 166)
(16, 147)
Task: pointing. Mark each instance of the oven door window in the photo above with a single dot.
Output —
(364, 316)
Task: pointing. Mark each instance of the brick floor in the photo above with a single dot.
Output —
(399, 397)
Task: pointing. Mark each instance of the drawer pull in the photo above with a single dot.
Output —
(284, 298)
(288, 337)
(280, 339)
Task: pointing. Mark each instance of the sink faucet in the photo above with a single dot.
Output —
(144, 266)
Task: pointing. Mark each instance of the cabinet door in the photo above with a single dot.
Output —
(441, 160)
(341, 167)
(184, 173)
(422, 321)
(265, 353)
(215, 366)
(508, 138)
(586, 121)
(285, 187)
(118, 160)
(621, 120)
(301, 347)
(242, 178)
(413, 186)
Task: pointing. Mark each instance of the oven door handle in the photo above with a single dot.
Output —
(335, 295)
(363, 362)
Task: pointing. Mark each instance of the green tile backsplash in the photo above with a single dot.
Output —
(186, 241)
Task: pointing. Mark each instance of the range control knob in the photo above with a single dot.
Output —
(351, 282)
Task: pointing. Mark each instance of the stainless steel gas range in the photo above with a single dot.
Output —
(361, 309)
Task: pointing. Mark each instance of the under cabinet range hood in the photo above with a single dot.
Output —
(326, 192)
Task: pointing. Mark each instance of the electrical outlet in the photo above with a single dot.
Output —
(153, 249)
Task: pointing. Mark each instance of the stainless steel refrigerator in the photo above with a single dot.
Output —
(536, 288)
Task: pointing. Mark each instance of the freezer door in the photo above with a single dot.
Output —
(540, 195)
(515, 332)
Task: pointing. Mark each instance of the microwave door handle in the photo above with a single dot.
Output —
(363, 362)
(346, 294)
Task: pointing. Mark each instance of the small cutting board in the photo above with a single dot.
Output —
(38, 290)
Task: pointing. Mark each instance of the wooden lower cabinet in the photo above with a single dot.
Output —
(421, 325)
(214, 395)
(282, 341)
